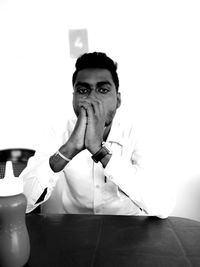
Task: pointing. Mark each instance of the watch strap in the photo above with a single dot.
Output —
(100, 154)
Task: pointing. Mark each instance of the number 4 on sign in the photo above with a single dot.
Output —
(78, 43)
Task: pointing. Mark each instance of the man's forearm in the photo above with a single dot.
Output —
(57, 162)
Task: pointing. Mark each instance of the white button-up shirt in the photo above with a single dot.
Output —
(85, 187)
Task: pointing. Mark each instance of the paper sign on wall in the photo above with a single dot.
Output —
(78, 42)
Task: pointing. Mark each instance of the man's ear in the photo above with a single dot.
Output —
(118, 100)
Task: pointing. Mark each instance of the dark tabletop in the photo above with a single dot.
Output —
(106, 241)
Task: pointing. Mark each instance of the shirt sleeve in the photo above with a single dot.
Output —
(38, 175)
(145, 183)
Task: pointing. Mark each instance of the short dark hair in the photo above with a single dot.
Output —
(96, 60)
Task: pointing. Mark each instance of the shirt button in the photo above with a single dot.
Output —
(97, 186)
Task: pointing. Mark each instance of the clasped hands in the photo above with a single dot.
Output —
(90, 125)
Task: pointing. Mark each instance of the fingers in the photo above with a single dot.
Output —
(90, 114)
(82, 113)
(96, 105)
(78, 134)
(82, 118)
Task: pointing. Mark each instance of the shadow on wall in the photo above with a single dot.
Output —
(188, 199)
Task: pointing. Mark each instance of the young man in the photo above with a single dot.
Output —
(95, 168)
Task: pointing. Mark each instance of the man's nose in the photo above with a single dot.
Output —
(92, 93)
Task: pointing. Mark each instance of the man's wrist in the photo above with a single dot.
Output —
(94, 149)
(62, 157)
(101, 153)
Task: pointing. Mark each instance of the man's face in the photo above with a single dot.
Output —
(96, 83)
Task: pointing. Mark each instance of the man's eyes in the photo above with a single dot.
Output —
(103, 90)
(84, 90)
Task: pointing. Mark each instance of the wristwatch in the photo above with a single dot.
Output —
(101, 153)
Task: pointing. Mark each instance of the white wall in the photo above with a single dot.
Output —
(156, 44)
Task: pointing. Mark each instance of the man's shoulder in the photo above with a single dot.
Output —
(122, 129)
(122, 122)
(58, 127)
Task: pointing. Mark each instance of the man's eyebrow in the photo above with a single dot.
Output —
(85, 84)
(104, 83)
(82, 84)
